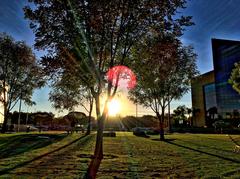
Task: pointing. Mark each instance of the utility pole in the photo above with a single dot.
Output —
(19, 112)
(136, 110)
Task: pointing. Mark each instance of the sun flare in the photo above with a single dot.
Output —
(113, 107)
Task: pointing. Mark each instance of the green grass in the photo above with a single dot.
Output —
(25, 142)
(126, 156)
(182, 156)
(54, 156)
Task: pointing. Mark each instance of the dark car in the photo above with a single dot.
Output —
(140, 131)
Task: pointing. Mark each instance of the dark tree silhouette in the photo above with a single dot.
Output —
(19, 74)
(211, 112)
(163, 73)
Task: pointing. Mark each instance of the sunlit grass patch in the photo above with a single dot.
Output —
(22, 143)
(141, 157)
(209, 155)
(51, 160)
(182, 156)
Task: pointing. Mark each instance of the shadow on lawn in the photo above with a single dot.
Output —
(210, 147)
(6, 171)
(166, 140)
(18, 144)
(207, 153)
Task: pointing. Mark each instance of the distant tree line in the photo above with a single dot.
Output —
(48, 119)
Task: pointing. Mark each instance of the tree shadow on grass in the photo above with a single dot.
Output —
(207, 153)
(6, 171)
(207, 146)
(18, 144)
(166, 140)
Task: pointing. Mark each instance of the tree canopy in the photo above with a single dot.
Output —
(164, 73)
(20, 73)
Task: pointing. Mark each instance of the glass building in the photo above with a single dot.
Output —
(210, 100)
(225, 54)
(212, 90)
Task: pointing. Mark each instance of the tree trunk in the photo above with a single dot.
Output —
(169, 118)
(162, 131)
(98, 153)
(89, 125)
(89, 118)
(161, 125)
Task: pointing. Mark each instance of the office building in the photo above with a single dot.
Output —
(212, 90)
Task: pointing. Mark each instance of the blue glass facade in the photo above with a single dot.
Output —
(225, 54)
(210, 96)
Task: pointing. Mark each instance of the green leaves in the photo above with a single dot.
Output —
(164, 68)
(20, 74)
(235, 77)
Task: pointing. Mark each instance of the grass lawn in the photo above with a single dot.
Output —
(54, 155)
(37, 155)
(183, 156)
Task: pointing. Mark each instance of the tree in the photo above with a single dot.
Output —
(234, 79)
(190, 112)
(211, 113)
(78, 117)
(179, 114)
(163, 73)
(100, 35)
(68, 91)
(19, 74)
(42, 118)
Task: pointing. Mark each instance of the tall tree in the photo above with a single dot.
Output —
(19, 74)
(100, 35)
(163, 73)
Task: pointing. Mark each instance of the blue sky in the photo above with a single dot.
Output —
(213, 19)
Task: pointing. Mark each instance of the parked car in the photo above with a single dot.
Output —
(140, 131)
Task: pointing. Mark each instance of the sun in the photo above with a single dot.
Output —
(113, 107)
